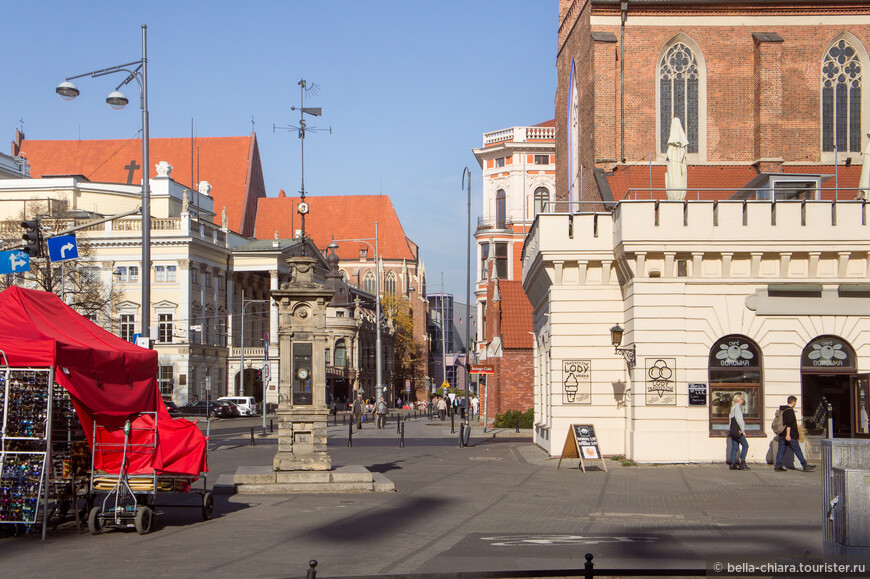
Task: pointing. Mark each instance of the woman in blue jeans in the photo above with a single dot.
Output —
(737, 415)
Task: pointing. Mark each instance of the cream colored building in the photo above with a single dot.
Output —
(767, 299)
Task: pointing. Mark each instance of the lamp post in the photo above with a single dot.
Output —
(333, 245)
(468, 297)
(138, 71)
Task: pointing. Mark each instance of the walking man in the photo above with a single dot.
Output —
(357, 411)
(381, 411)
(442, 408)
(789, 437)
(475, 407)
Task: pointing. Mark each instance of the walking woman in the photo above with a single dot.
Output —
(736, 431)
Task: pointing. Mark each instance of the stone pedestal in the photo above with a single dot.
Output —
(302, 439)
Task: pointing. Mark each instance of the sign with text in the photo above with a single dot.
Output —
(576, 382)
(62, 247)
(482, 369)
(697, 394)
(582, 443)
(661, 381)
(14, 261)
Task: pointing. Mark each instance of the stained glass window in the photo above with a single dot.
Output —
(679, 77)
(841, 99)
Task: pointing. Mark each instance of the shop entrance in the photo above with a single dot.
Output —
(832, 391)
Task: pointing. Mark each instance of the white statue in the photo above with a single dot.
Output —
(204, 187)
(164, 169)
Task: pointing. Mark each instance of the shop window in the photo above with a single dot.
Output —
(735, 368)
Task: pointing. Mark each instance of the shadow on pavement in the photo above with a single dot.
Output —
(382, 523)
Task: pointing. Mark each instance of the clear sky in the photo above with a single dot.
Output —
(408, 87)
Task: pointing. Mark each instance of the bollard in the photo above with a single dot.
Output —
(589, 568)
(398, 423)
(253, 442)
(518, 423)
(402, 440)
(312, 570)
(452, 430)
(342, 419)
(350, 435)
(271, 426)
(461, 430)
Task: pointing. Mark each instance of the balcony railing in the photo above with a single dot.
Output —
(491, 223)
(520, 134)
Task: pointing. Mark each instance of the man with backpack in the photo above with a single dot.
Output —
(786, 427)
(381, 411)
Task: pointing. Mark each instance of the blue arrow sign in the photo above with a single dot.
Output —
(14, 261)
(62, 248)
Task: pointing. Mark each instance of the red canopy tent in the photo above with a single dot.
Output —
(109, 380)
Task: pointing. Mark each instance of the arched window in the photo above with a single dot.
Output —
(340, 360)
(841, 98)
(735, 368)
(370, 283)
(500, 209)
(541, 197)
(681, 87)
(390, 283)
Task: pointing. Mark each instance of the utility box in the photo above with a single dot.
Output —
(846, 494)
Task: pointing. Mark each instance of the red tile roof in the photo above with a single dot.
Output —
(230, 164)
(516, 315)
(550, 123)
(338, 217)
(726, 178)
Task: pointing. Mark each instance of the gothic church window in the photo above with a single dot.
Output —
(679, 93)
(369, 283)
(390, 283)
(841, 98)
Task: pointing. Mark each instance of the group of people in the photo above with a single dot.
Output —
(441, 405)
(788, 435)
(379, 411)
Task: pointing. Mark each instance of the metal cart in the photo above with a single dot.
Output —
(128, 501)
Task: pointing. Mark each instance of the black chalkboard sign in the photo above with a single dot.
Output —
(697, 394)
(581, 443)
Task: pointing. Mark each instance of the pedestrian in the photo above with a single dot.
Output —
(737, 433)
(398, 402)
(442, 408)
(788, 437)
(357, 411)
(475, 406)
(380, 410)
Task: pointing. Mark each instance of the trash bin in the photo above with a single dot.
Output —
(846, 494)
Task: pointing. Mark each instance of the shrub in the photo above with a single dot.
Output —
(509, 419)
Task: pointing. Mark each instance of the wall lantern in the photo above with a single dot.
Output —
(628, 352)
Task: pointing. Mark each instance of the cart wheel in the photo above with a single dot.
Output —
(207, 506)
(144, 517)
(95, 523)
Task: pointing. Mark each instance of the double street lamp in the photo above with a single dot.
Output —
(333, 245)
(138, 71)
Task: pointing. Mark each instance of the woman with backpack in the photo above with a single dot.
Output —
(738, 436)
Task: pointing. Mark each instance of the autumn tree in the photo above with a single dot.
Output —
(409, 352)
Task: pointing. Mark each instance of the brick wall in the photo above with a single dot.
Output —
(511, 386)
(763, 99)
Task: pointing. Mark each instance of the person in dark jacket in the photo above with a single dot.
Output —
(789, 438)
(357, 411)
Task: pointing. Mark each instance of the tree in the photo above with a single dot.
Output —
(409, 359)
(77, 281)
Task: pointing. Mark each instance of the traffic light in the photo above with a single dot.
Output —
(32, 238)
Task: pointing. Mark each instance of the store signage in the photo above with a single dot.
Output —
(697, 394)
(734, 353)
(827, 353)
(582, 443)
(661, 381)
(576, 382)
(482, 369)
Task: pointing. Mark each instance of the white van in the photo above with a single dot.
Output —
(247, 405)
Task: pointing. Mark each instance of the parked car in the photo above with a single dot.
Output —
(212, 409)
(247, 405)
(172, 407)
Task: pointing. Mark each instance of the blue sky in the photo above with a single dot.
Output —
(408, 88)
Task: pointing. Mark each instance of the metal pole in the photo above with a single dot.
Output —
(146, 196)
(379, 387)
(242, 351)
(443, 335)
(468, 290)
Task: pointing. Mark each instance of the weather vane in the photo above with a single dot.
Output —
(304, 89)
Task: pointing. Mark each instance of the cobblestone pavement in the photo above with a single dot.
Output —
(498, 504)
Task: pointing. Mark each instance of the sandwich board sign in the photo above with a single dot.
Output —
(581, 443)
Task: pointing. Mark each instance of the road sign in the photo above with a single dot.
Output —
(482, 369)
(408, 385)
(267, 373)
(14, 261)
(266, 346)
(62, 248)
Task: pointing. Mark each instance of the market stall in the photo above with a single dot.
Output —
(110, 382)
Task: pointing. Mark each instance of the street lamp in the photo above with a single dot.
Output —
(467, 300)
(138, 71)
(333, 245)
(629, 352)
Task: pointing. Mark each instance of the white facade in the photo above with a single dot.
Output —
(680, 277)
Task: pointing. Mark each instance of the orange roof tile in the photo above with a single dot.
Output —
(338, 217)
(230, 164)
(550, 123)
(727, 179)
(516, 314)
